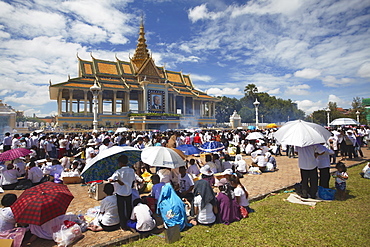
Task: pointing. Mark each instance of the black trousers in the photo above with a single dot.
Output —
(324, 177)
(311, 177)
(124, 205)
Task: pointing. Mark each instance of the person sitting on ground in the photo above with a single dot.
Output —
(172, 208)
(34, 173)
(216, 160)
(271, 162)
(141, 219)
(193, 169)
(19, 164)
(228, 206)
(9, 177)
(241, 165)
(204, 206)
(185, 185)
(164, 175)
(108, 219)
(7, 221)
(366, 170)
(227, 164)
(211, 164)
(157, 186)
(207, 175)
(241, 194)
(259, 160)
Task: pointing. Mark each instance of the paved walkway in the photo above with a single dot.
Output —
(258, 186)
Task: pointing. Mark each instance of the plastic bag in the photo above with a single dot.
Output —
(66, 236)
(326, 194)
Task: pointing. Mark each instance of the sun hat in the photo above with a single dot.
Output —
(221, 182)
(228, 172)
(206, 170)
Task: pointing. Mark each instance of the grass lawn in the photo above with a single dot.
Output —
(279, 223)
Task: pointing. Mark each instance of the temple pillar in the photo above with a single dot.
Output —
(209, 109)
(114, 109)
(214, 110)
(85, 102)
(70, 100)
(174, 104)
(60, 99)
(184, 104)
(192, 106)
(78, 106)
(127, 101)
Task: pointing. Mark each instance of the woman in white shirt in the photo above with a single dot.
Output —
(241, 165)
(204, 205)
(7, 221)
(241, 194)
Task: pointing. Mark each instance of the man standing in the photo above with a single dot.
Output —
(7, 142)
(308, 166)
(125, 176)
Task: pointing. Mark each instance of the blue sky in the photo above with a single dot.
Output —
(309, 51)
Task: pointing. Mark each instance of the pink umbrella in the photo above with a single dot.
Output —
(14, 154)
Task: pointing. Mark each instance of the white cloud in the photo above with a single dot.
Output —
(331, 81)
(204, 78)
(201, 12)
(225, 91)
(309, 106)
(364, 70)
(340, 102)
(308, 73)
(298, 90)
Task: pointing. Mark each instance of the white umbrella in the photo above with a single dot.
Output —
(255, 136)
(161, 157)
(300, 133)
(344, 121)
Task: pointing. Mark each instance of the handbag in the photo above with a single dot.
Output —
(243, 212)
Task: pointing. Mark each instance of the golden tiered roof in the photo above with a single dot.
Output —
(125, 75)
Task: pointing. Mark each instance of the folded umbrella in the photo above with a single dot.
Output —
(41, 203)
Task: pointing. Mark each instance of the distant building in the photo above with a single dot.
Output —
(366, 105)
(137, 93)
(7, 118)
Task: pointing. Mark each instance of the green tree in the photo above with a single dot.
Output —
(251, 89)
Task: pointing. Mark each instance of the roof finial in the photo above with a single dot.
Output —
(141, 53)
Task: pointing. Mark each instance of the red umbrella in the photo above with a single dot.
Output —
(14, 153)
(42, 203)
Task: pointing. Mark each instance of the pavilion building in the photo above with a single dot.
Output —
(135, 94)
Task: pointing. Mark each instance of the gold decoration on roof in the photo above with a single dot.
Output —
(88, 69)
(141, 52)
(107, 68)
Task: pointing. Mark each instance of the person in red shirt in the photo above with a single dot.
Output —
(197, 140)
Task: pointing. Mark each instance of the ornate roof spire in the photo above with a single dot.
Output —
(141, 52)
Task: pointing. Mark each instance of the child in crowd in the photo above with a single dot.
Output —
(207, 174)
(186, 185)
(157, 186)
(7, 221)
(193, 169)
(141, 218)
(108, 219)
(341, 177)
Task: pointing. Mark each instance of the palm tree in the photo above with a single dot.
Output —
(250, 89)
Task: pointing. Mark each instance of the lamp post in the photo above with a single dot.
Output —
(256, 104)
(95, 89)
(328, 115)
(358, 116)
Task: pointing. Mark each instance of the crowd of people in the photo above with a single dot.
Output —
(202, 192)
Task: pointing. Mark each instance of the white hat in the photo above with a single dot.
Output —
(228, 172)
(206, 170)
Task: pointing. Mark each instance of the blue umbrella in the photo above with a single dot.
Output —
(105, 163)
(188, 149)
(251, 127)
(212, 146)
